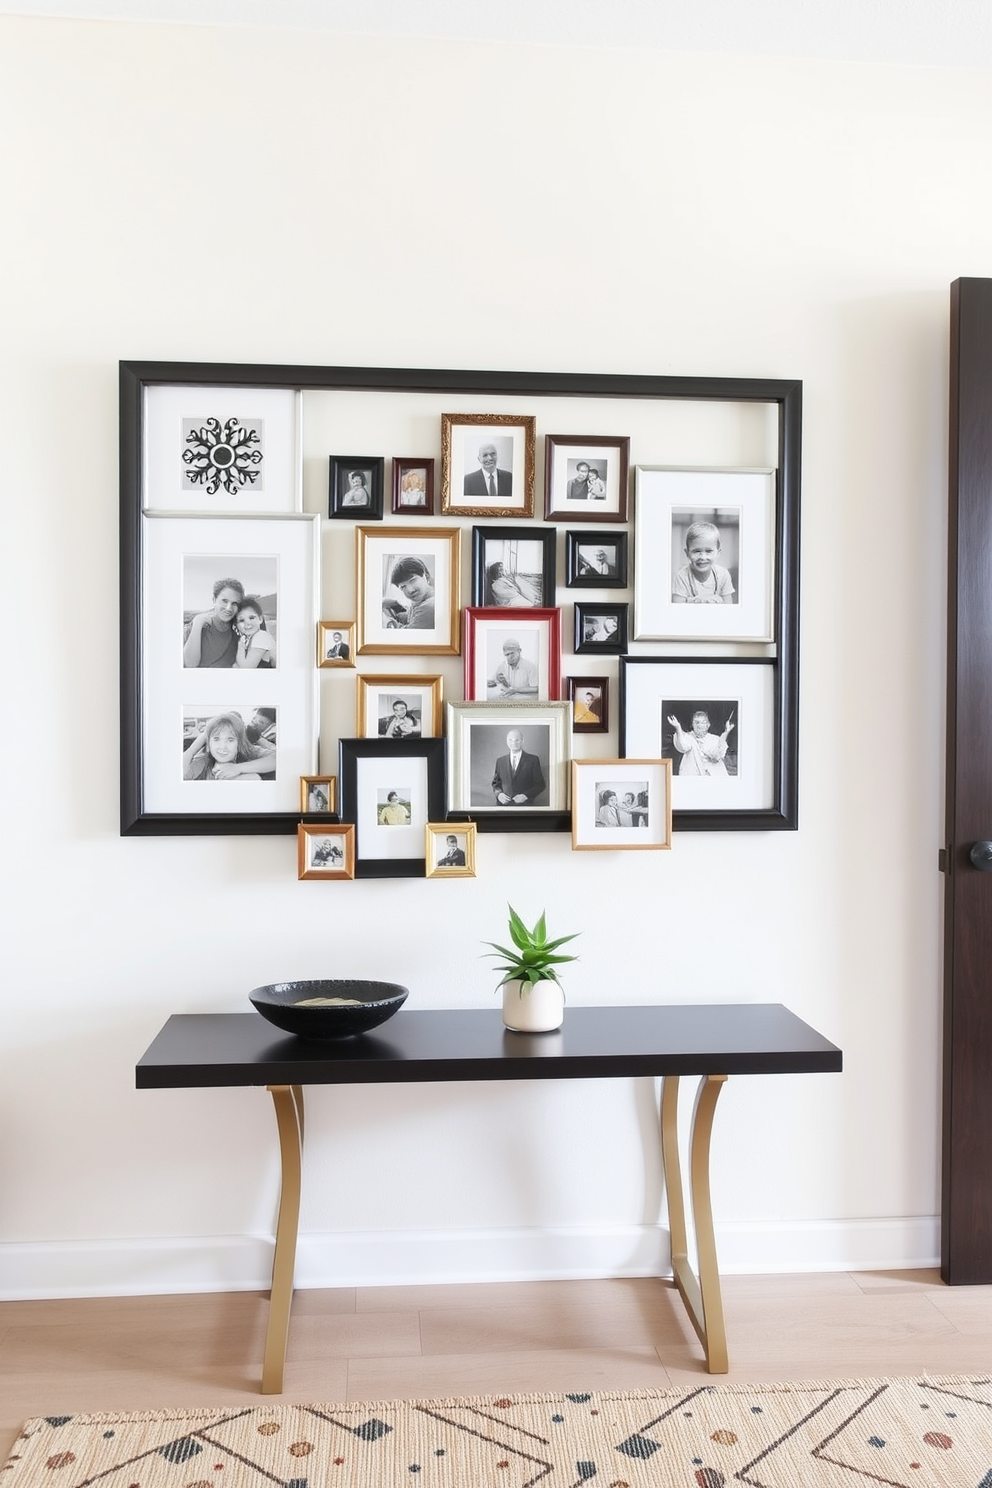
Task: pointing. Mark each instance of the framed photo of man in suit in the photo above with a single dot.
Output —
(487, 464)
(508, 759)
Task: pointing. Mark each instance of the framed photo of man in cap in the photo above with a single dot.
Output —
(408, 591)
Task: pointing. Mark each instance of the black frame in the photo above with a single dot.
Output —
(544, 535)
(338, 464)
(135, 376)
(579, 684)
(350, 751)
(617, 646)
(576, 580)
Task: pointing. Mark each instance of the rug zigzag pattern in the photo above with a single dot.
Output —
(907, 1433)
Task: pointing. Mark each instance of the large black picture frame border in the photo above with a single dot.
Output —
(135, 376)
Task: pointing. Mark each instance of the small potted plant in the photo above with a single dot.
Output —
(533, 1000)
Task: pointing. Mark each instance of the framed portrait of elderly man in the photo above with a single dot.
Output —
(506, 761)
(408, 591)
(487, 464)
(512, 656)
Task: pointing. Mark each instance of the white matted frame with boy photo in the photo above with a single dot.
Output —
(704, 566)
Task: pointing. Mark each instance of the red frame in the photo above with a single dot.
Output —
(512, 615)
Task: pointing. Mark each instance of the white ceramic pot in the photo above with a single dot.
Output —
(537, 1009)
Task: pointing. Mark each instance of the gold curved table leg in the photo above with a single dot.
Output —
(701, 1294)
(288, 1101)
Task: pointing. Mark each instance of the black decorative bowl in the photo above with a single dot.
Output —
(364, 1005)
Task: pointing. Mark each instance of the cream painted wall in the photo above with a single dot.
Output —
(198, 194)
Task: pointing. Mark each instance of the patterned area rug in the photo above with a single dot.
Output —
(914, 1433)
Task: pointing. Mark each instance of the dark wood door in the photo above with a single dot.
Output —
(966, 1208)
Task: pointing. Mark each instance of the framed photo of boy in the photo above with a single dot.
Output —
(318, 795)
(596, 560)
(512, 655)
(600, 629)
(513, 567)
(408, 581)
(487, 464)
(717, 721)
(325, 851)
(355, 487)
(451, 850)
(390, 789)
(399, 706)
(413, 487)
(704, 565)
(590, 700)
(511, 759)
(585, 478)
(621, 804)
(335, 643)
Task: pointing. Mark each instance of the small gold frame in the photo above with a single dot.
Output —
(326, 783)
(432, 714)
(327, 631)
(340, 837)
(438, 846)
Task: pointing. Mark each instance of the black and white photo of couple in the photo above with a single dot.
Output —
(229, 612)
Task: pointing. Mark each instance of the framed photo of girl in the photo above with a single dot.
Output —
(487, 464)
(585, 478)
(408, 580)
(451, 849)
(413, 487)
(390, 789)
(228, 717)
(512, 656)
(621, 804)
(399, 706)
(704, 565)
(355, 487)
(325, 851)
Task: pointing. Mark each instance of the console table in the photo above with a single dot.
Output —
(713, 1041)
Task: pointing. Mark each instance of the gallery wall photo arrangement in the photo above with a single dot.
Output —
(638, 560)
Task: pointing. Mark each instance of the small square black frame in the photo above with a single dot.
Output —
(617, 643)
(481, 594)
(341, 467)
(576, 577)
(350, 751)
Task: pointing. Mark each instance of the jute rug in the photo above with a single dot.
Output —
(914, 1433)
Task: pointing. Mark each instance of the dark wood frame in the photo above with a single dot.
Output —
(616, 647)
(400, 466)
(370, 513)
(350, 751)
(546, 536)
(552, 618)
(574, 540)
(579, 684)
(135, 376)
(620, 443)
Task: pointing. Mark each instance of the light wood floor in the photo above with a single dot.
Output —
(128, 1353)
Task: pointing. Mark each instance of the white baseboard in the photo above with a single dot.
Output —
(229, 1263)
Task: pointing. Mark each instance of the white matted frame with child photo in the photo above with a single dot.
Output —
(704, 554)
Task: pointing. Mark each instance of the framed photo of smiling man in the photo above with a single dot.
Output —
(487, 464)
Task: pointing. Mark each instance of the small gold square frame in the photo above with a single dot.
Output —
(437, 848)
(309, 837)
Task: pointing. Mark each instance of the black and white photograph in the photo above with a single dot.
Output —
(355, 487)
(450, 850)
(513, 567)
(512, 655)
(408, 590)
(703, 559)
(600, 628)
(621, 804)
(325, 852)
(487, 464)
(230, 611)
(335, 643)
(596, 560)
(224, 743)
(506, 759)
(318, 795)
(390, 789)
(399, 707)
(589, 697)
(586, 478)
(222, 451)
(714, 720)
(413, 487)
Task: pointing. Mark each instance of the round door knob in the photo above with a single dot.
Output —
(981, 856)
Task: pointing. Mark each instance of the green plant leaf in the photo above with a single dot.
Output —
(519, 933)
(541, 930)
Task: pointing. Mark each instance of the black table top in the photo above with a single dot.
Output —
(209, 1049)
